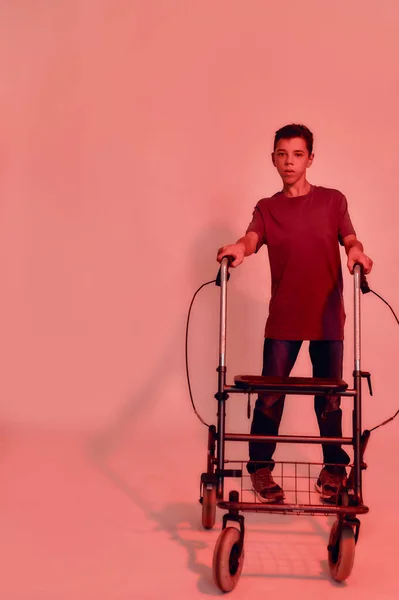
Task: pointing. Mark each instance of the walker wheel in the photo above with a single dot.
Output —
(227, 559)
(341, 551)
(208, 506)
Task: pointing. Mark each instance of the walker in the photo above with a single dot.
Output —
(295, 477)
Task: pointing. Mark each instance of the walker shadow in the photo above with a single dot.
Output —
(177, 519)
(182, 521)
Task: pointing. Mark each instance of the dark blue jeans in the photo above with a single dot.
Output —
(279, 357)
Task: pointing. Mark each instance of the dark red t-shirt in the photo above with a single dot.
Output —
(302, 236)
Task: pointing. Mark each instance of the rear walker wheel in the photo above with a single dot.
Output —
(208, 505)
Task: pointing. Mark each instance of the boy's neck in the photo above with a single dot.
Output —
(300, 188)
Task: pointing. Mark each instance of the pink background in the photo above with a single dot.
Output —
(135, 141)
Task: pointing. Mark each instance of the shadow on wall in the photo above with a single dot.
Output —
(168, 363)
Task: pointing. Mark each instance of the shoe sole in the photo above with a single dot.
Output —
(332, 498)
(278, 500)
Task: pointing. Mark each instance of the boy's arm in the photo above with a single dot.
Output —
(354, 251)
(245, 246)
(250, 241)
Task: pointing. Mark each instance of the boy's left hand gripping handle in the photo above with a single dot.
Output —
(230, 259)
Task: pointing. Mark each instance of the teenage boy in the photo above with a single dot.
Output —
(302, 226)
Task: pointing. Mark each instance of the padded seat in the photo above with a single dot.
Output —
(290, 385)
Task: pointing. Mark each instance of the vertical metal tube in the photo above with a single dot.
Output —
(221, 395)
(223, 312)
(220, 445)
(357, 413)
(357, 281)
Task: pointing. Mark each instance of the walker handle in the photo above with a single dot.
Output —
(219, 275)
(364, 286)
(221, 281)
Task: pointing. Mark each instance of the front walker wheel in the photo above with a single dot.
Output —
(228, 559)
(341, 551)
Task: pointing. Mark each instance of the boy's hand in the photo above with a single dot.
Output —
(235, 250)
(357, 256)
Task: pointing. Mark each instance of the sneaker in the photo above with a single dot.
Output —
(265, 487)
(329, 483)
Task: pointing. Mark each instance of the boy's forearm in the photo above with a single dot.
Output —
(249, 242)
(353, 244)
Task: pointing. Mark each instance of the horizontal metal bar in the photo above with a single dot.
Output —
(230, 389)
(294, 508)
(229, 473)
(287, 439)
(285, 462)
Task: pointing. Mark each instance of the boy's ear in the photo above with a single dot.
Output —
(310, 161)
(273, 159)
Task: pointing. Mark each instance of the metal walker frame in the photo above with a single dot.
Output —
(228, 555)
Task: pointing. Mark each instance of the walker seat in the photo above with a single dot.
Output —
(290, 385)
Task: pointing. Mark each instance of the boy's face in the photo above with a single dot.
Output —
(291, 159)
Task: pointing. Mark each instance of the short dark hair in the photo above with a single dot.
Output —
(292, 131)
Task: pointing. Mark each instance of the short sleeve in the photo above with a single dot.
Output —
(257, 225)
(345, 226)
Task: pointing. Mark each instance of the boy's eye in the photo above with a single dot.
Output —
(299, 154)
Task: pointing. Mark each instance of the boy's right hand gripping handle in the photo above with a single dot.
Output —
(364, 286)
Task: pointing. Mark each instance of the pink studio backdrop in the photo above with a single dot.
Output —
(135, 141)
